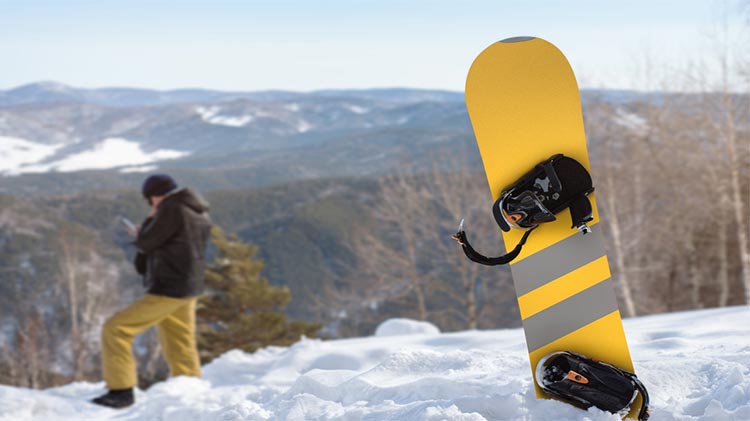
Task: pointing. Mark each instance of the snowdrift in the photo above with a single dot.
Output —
(696, 366)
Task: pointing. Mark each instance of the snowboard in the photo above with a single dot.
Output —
(524, 106)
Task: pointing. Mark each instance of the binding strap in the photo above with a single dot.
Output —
(644, 413)
(475, 256)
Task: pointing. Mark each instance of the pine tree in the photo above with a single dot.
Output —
(241, 309)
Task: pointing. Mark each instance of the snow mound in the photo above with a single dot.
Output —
(396, 327)
(696, 366)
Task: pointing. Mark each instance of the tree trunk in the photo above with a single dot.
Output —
(614, 224)
(740, 211)
(471, 302)
(722, 277)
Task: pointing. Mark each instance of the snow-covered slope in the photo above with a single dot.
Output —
(22, 156)
(695, 364)
(18, 153)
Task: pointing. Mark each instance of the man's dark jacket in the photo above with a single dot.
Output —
(173, 244)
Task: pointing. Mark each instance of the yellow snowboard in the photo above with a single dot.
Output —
(524, 106)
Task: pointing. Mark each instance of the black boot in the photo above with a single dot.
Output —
(116, 398)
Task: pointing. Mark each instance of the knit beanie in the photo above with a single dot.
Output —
(158, 185)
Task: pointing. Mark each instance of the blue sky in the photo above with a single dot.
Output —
(307, 45)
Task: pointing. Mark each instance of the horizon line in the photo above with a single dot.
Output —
(276, 90)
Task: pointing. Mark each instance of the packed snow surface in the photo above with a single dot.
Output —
(696, 366)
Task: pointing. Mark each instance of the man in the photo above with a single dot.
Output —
(171, 244)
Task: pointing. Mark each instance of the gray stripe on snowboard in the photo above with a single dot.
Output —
(517, 39)
(557, 260)
(570, 315)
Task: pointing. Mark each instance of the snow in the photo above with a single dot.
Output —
(356, 109)
(111, 153)
(304, 126)
(394, 327)
(696, 366)
(17, 153)
(211, 115)
(139, 168)
(20, 156)
(637, 124)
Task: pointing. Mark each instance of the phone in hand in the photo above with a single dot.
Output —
(129, 224)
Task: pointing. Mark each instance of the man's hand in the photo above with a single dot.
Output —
(133, 233)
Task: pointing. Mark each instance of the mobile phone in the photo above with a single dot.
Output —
(131, 226)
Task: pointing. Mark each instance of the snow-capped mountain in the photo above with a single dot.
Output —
(696, 366)
(50, 127)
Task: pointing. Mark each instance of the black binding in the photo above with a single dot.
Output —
(475, 256)
(568, 180)
(607, 387)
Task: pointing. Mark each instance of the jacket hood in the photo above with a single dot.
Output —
(189, 198)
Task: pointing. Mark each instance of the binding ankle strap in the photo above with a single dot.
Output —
(475, 256)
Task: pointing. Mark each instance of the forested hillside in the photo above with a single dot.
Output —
(352, 213)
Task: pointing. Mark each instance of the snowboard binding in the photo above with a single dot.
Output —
(586, 382)
(552, 186)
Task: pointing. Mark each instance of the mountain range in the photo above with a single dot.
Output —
(236, 139)
(99, 137)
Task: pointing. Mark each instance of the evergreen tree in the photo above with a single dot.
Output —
(241, 310)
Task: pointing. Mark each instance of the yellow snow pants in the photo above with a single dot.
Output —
(175, 321)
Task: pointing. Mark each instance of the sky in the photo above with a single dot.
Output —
(306, 45)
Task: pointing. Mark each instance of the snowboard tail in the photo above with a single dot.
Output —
(524, 106)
